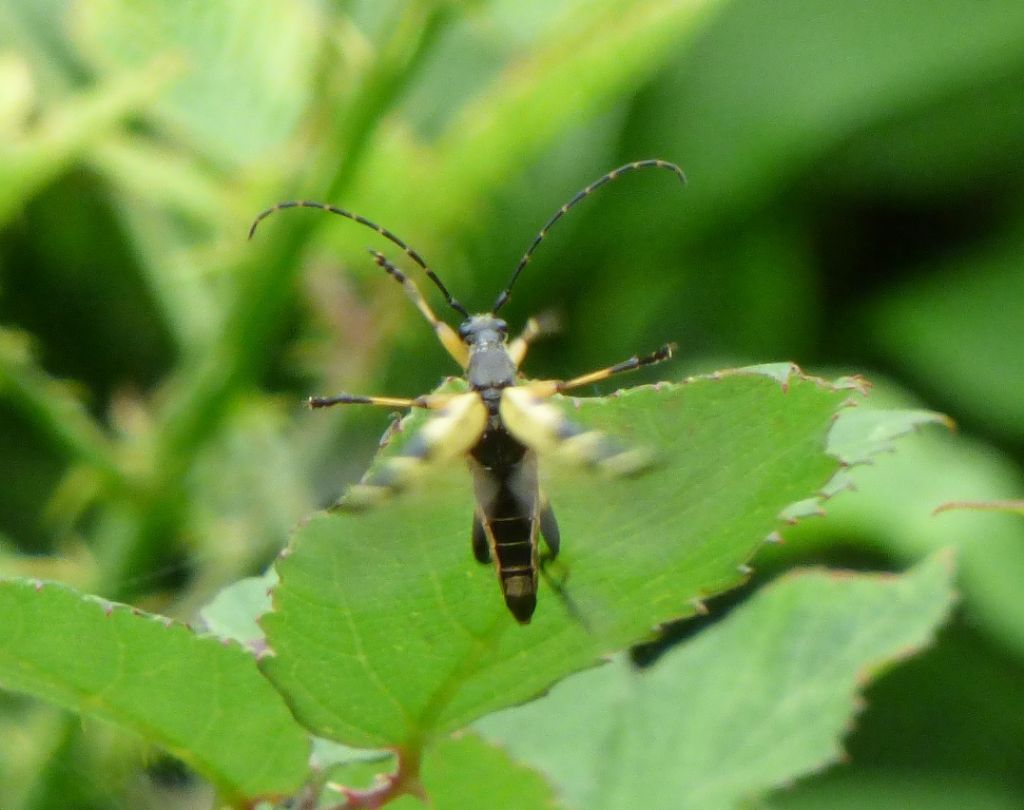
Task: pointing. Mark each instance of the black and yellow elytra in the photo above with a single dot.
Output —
(502, 426)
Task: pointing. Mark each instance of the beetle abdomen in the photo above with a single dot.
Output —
(512, 525)
(505, 479)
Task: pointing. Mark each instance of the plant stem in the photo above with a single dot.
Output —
(202, 394)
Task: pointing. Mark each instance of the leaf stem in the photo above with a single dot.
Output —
(54, 409)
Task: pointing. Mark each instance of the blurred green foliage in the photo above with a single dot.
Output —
(854, 202)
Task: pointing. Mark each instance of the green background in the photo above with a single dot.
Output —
(854, 205)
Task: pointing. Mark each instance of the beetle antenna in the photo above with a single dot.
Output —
(341, 212)
(579, 197)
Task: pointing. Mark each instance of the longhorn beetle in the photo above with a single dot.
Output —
(503, 422)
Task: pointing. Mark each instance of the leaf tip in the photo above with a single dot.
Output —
(854, 382)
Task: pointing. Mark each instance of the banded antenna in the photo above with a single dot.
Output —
(341, 212)
(578, 198)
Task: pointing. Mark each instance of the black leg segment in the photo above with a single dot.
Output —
(549, 529)
(481, 549)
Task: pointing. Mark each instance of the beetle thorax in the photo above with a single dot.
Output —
(490, 366)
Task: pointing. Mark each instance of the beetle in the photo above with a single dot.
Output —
(501, 424)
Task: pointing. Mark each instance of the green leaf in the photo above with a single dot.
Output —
(234, 610)
(385, 631)
(893, 511)
(458, 772)
(757, 700)
(903, 739)
(860, 434)
(248, 65)
(455, 773)
(201, 699)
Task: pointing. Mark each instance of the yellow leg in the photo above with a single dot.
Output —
(449, 338)
(432, 402)
(541, 326)
(545, 388)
